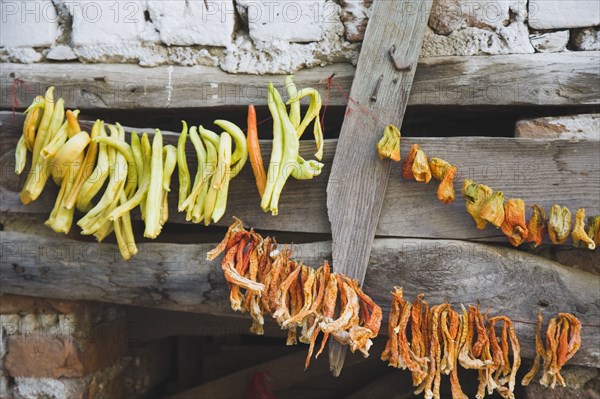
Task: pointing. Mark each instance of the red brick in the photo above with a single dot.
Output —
(56, 356)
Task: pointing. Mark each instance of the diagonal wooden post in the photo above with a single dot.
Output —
(379, 94)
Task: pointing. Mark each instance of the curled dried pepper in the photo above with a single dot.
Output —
(514, 226)
(407, 166)
(594, 229)
(476, 195)
(579, 234)
(438, 167)
(493, 210)
(559, 225)
(420, 167)
(389, 145)
(445, 191)
(536, 227)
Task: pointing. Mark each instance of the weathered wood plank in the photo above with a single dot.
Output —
(582, 126)
(177, 277)
(533, 79)
(542, 172)
(382, 83)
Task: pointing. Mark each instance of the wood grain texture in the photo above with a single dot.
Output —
(177, 277)
(358, 180)
(355, 190)
(545, 172)
(517, 79)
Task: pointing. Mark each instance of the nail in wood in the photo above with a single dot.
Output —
(376, 89)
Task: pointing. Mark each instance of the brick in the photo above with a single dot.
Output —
(47, 355)
(106, 22)
(104, 384)
(289, 20)
(186, 23)
(561, 14)
(28, 23)
(584, 126)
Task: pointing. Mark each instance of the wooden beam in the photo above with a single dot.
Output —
(564, 172)
(518, 79)
(177, 277)
(357, 184)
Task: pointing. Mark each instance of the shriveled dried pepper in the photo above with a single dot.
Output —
(536, 227)
(476, 195)
(445, 191)
(559, 225)
(407, 165)
(493, 210)
(389, 145)
(594, 229)
(420, 167)
(579, 234)
(514, 226)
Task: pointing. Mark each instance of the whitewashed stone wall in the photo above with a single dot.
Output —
(270, 36)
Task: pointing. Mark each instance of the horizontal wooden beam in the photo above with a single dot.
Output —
(531, 79)
(540, 172)
(177, 277)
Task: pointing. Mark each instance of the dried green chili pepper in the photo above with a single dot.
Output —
(182, 167)
(154, 197)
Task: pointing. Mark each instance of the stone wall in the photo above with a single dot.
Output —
(276, 36)
(60, 349)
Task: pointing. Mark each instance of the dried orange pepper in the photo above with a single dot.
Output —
(514, 226)
(254, 151)
(445, 191)
(536, 227)
(407, 166)
(579, 233)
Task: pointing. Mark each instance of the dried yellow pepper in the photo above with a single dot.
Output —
(493, 210)
(579, 233)
(559, 225)
(420, 167)
(389, 145)
(476, 195)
